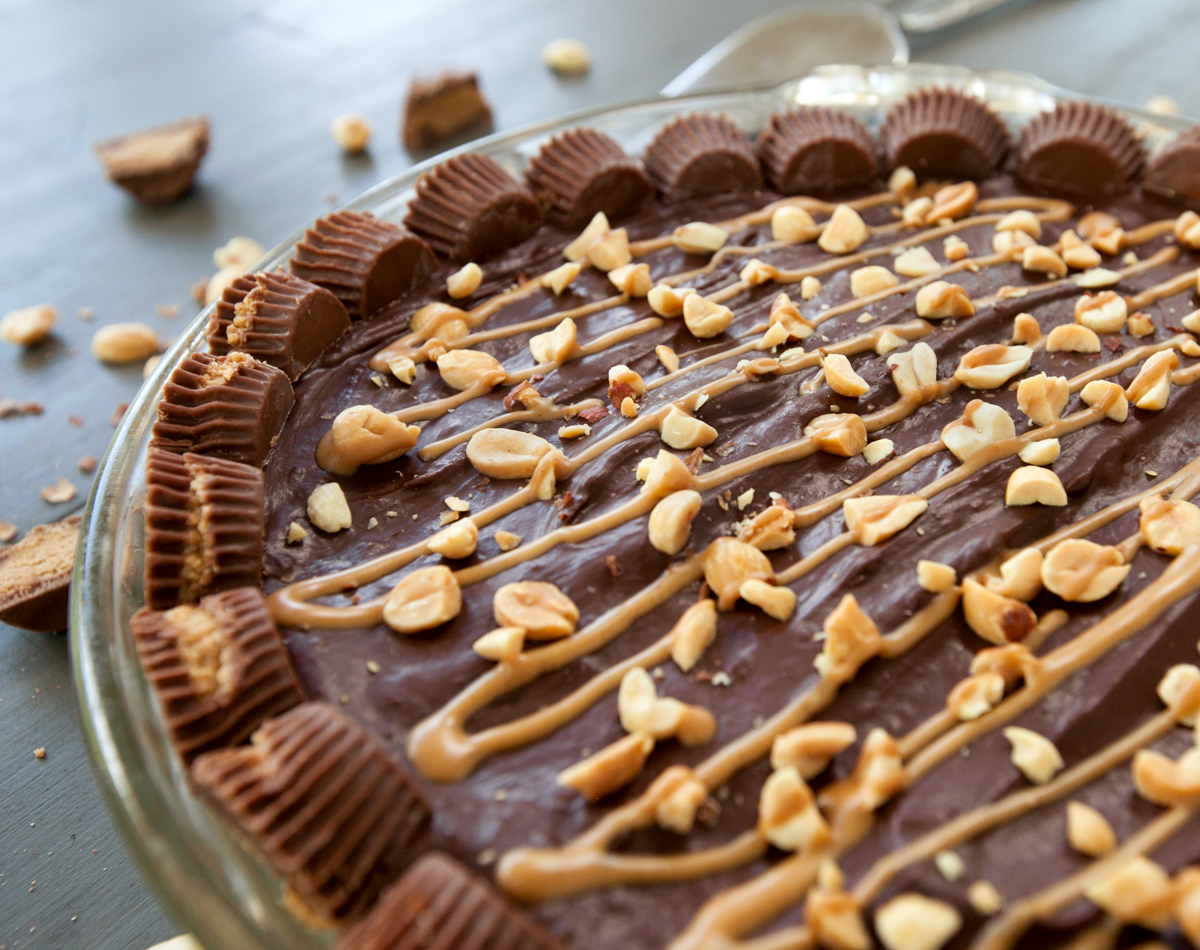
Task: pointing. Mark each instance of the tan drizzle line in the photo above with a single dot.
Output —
(291, 604)
(748, 906)
(542, 874)
(545, 413)
(534, 874)
(1004, 932)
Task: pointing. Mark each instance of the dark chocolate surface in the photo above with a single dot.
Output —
(768, 663)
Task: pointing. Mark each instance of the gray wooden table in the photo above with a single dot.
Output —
(271, 75)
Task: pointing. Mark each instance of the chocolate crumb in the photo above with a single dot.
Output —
(168, 311)
(76, 421)
(87, 464)
(10, 408)
(198, 290)
(118, 414)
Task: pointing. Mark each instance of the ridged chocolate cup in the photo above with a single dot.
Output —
(319, 796)
(1081, 148)
(229, 407)
(276, 318)
(439, 903)
(701, 154)
(582, 172)
(941, 133)
(812, 150)
(468, 207)
(219, 668)
(204, 527)
(1174, 173)
(363, 261)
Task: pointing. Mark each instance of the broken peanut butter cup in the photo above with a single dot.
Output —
(699, 155)
(443, 108)
(1174, 173)
(277, 318)
(941, 133)
(156, 166)
(439, 903)
(204, 524)
(469, 207)
(35, 574)
(813, 149)
(1082, 148)
(219, 668)
(582, 172)
(319, 796)
(228, 407)
(364, 261)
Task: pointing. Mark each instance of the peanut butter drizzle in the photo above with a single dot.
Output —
(1004, 932)
(543, 874)
(443, 751)
(748, 906)
(584, 863)
(1179, 580)
(545, 413)
(971, 824)
(1177, 285)
(539, 874)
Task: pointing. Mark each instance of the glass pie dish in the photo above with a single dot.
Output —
(206, 879)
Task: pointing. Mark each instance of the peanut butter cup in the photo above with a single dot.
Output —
(35, 576)
(942, 133)
(1080, 147)
(439, 903)
(204, 523)
(319, 796)
(469, 207)
(219, 668)
(811, 149)
(699, 155)
(364, 261)
(277, 318)
(442, 108)
(1174, 173)
(156, 166)
(582, 172)
(228, 406)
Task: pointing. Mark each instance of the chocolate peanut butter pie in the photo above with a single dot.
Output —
(782, 540)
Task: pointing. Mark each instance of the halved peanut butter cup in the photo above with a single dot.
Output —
(219, 668)
(582, 172)
(228, 407)
(942, 133)
(319, 796)
(812, 149)
(204, 527)
(701, 154)
(469, 207)
(364, 261)
(276, 318)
